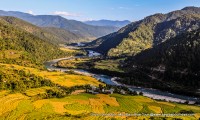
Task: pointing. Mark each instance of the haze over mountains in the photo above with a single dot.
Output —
(146, 33)
(116, 23)
(76, 27)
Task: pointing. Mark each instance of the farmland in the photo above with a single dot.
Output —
(89, 63)
(57, 77)
(27, 105)
(82, 105)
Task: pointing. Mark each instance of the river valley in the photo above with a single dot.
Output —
(148, 92)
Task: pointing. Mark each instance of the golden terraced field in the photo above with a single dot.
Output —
(24, 105)
(60, 78)
(81, 106)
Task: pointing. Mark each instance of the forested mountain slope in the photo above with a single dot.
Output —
(53, 35)
(174, 63)
(21, 47)
(149, 32)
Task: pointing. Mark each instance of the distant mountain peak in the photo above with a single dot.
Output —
(104, 22)
(85, 30)
(192, 8)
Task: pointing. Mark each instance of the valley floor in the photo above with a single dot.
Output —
(79, 105)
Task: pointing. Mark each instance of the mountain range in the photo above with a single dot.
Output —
(148, 32)
(51, 34)
(76, 27)
(116, 23)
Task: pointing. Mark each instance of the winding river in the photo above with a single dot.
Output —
(148, 92)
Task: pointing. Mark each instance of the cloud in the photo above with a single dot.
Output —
(63, 13)
(30, 12)
(125, 8)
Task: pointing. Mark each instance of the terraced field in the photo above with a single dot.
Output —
(72, 51)
(81, 106)
(60, 78)
(36, 91)
(9, 102)
(26, 105)
(74, 63)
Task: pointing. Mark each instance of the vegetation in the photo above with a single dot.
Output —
(77, 27)
(82, 105)
(27, 49)
(52, 35)
(98, 65)
(148, 32)
(109, 65)
(63, 79)
(27, 91)
(74, 63)
(72, 52)
(174, 63)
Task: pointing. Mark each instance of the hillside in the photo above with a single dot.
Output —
(76, 27)
(89, 107)
(53, 35)
(20, 47)
(146, 33)
(116, 23)
(65, 36)
(174, 63)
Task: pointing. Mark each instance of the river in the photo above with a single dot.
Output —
(148, 92)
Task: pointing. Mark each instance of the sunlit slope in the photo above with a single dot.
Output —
(20, 47)
(63, 79)
(82, 106)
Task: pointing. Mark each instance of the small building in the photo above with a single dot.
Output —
(122, 92)
(111, 91)
(94, 88)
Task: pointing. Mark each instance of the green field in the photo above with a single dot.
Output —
(110, 65)
(89, 63)
(19, 106)
(27, 103)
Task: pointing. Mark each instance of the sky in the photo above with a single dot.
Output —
(97, 9)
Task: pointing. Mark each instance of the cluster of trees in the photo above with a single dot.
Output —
(60, 91)
(19, 80)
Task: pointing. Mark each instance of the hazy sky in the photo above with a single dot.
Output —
(97, 9)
